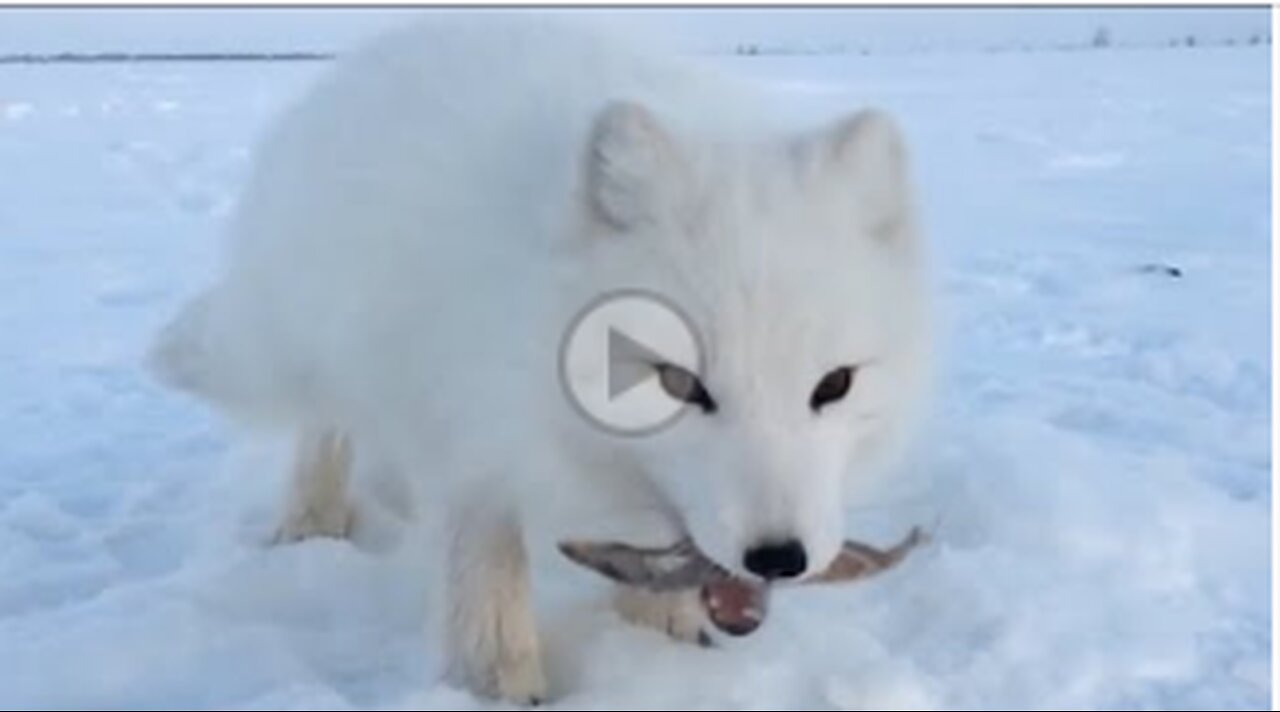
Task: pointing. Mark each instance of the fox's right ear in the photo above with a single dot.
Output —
(634, 171)
(865, 156)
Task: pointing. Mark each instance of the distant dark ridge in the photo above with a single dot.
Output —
(120, 57)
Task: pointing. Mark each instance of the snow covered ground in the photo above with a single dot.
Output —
(1099, 458)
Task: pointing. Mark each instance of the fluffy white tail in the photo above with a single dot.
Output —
(181, 356)
(195, 354)
(201, 351)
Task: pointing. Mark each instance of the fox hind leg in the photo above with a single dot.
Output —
(318, 502)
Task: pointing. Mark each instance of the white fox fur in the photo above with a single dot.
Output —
(420, 228)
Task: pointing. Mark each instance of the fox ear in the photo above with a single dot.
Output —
(864, 156)
(634, 170)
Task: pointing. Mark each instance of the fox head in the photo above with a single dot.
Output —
(798, 262)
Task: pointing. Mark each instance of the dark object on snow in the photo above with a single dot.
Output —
(1161, 269)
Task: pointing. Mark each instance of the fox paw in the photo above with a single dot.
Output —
(330, 522)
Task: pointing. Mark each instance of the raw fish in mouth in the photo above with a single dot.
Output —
(735, 604)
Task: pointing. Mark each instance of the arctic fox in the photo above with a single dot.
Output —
(422, 226)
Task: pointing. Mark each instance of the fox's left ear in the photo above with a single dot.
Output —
(635, 171)
(864, 157)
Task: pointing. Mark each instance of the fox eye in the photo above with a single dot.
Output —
(682, 385)
(833, 387)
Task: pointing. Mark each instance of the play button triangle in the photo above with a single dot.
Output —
(630, 363)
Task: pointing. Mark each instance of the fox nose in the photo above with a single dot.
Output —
(777, 560)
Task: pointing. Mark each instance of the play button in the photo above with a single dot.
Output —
(609, 356)
(630, 363)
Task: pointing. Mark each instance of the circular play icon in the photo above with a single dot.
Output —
(611, 354)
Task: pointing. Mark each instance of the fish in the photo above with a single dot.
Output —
(734, 604)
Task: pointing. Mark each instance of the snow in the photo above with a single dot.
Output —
(1099, 456)
(228, 29)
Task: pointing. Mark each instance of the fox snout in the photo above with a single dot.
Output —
(788, 536)
(778, 559)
